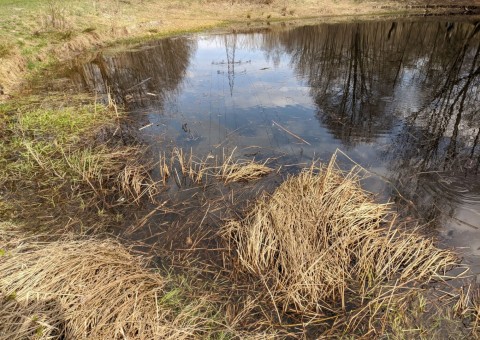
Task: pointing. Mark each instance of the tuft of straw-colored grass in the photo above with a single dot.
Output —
(242, 171)
(88, 289)
(475, 312)
(322, 245)
(467, 306)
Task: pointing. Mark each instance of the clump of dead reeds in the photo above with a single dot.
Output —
(184, 165)
(241, 170)
(467, 307)
(322, 245)
(87, 289)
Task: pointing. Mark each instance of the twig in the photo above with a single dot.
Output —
(144, 81)
(144, 220)
(291, 133)
(146, 126)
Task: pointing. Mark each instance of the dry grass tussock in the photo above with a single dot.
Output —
(241, 170)
(322, 245)
(87, 290)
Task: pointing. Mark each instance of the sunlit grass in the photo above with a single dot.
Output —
(64, 159)
(38, 33)
(323, 246)
(92, 289)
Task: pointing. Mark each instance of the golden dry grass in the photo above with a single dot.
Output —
(322, 245)
(242, 170)
(87, 289)
(467, 307)
(474, 310)
(183, 165)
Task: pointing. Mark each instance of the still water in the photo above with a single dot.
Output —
(401, 98)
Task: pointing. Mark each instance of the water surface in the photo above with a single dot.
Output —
(401, 98)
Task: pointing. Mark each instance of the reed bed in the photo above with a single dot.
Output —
(322, 245)
(88, 289)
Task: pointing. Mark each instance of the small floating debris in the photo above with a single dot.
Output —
(146, 126)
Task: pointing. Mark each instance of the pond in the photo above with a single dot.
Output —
(401, 98)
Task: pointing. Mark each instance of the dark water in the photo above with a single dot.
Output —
(400, 98)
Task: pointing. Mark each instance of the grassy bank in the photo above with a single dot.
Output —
(37, 33)
(66, 163)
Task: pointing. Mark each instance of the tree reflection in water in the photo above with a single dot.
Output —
(407, 90)
(139, 77)
(364, 77)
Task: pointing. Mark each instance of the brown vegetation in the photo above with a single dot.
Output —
(87, 289)
(69, 161)
(324, 251)
(241, 170)
(322, 245)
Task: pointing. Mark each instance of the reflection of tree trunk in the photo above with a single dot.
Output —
(451, 152)
(132, 74)
(401, 62)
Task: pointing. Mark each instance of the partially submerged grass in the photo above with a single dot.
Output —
(323, 247)
(61, 160)
(183, 165)
(467, 307)
(241, 170)
(90, 289)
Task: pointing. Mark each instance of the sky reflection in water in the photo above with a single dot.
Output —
(400, 98)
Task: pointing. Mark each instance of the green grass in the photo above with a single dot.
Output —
(51, 161)
(65, 124)
(43, 139)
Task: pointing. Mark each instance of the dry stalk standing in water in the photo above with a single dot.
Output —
(323, 246)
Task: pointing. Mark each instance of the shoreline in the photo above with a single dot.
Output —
(59, 34)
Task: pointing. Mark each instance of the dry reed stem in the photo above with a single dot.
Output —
(119, 168)
(327, 247)
(475, 311)
(86, 290)
(468, 307)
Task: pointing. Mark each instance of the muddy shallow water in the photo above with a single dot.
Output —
(401, 98)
